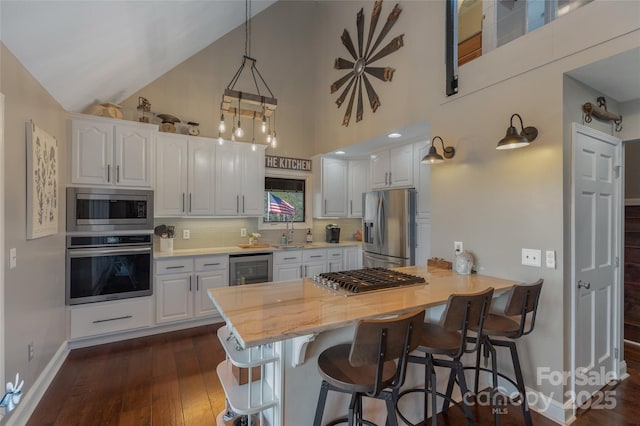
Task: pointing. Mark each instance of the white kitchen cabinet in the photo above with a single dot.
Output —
(239, 180)
(94, 319)
(335, 260)
(392, 168)
(181, 286)
(358, 183)
(352, 257)
(314, 262)
(185, 175)
(291, 265)
(287, 265)
(111, 152)
(330, 187)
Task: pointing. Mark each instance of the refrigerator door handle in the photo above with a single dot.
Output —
(382, 228)
(377, 230)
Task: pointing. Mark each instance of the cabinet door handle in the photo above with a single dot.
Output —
(243, 204)
(211, 264)
(289, 258)
(301, 272)
(386, 176)
(118, 173)
(197, 282)
(389, 178)
(183, 202)
(112, 319)
(325, 206)
(237, 204)
(315, 256)
(190, 202)
(351, 207)
(175, 267)
(108, 172)
(306, 270)
(189, 283)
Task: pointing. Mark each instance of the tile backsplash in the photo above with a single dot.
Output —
(213, 232)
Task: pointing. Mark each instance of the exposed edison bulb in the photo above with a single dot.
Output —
(222, 127)
(233, 135)
(269, 137)
(274, 141)
(220, 140)
(253, 146)
(239, 132)
(264, 124)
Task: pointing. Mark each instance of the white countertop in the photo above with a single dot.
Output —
(157, 254)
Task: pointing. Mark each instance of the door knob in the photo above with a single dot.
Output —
(584, 284)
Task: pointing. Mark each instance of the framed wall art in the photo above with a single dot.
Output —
(42, 183)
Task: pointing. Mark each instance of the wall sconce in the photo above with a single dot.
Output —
(433, 157)
(514, 140)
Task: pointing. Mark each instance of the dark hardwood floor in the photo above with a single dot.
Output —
(170, 379)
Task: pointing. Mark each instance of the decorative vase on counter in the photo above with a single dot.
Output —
(166, 245)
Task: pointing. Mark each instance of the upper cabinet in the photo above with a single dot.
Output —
(111, 152)
(239, 187)
(330, 187)
(358, 183)
(185, 175)
(392, 168)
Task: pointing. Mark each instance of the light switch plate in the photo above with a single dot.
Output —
(186, 234)
(532, 257)
(550, 257)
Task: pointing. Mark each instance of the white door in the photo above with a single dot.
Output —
(174, 297)
(596, 225)
(133, 156)
(204, 281)
(334, 187)
(252, 166)
(92, 153)
(171, 176)
(401, 166)
(358, 183)
(228, 180)
(202, 175)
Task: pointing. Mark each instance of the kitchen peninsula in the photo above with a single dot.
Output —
(296, 320)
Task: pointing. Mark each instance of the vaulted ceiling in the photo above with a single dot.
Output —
(88, 51)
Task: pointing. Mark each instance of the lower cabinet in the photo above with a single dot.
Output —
(335, 260)
(93, 319)
(181, 286)
(352, 257)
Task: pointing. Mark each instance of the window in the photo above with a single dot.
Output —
(281, 195)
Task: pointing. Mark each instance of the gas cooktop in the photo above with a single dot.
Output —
(366, 280)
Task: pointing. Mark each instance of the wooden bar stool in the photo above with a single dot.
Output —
(448, 338)
(510, 323)
(373, 365)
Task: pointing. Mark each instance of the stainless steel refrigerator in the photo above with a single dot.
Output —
(389, 228)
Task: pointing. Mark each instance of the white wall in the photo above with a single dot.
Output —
(34, 290)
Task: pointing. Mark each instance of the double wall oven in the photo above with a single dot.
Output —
(109, 244)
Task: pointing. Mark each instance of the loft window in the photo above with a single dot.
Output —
(282, 195)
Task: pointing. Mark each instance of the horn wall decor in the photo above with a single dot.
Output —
(361, 60)
(600, 112)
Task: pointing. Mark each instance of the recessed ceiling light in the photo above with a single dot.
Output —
(394, 135)
(340, 152)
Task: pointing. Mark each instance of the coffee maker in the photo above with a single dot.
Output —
(333, 233)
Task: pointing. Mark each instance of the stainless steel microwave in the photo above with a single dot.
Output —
(109, 209)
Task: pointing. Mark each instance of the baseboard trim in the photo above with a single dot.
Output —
(30, 399)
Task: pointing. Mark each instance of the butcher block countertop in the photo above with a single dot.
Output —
(269, 312)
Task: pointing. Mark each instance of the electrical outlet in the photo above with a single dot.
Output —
(531, 257)
(30, 352)
(186, 234)
(243, 232)
(458, 247)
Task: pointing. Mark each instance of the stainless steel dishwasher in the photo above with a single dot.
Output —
(250, 268)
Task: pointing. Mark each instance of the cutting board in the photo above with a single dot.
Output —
(258, 245)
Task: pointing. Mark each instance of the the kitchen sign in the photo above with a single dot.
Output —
(275, 162)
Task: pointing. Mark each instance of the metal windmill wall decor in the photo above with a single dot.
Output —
(362, 60)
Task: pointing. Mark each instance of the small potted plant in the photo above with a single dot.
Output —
(253, 237)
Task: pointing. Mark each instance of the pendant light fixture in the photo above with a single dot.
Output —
(433, 157)
(255, 105)
(513, 139)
